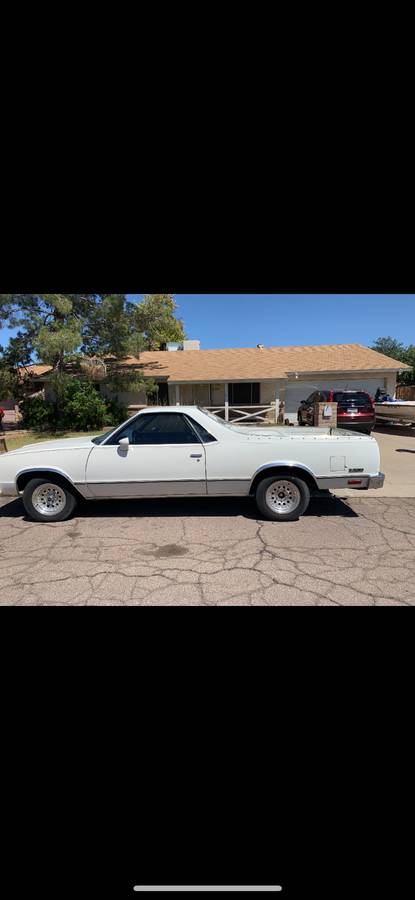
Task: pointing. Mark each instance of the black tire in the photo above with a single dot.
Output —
(300, 493)
(34, 498)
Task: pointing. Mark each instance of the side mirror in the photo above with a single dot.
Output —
(124, 442)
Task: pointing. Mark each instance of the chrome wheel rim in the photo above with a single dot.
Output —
(49, 499)
(283, 497)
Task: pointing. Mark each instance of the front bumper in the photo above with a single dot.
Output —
(376, 481)
(8, 489)
(357, 482)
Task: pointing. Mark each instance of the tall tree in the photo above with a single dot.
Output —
(396, 350)
(8, 383)
(62, 328)
(55, 326)
(389, 346)
(9, 378)
(155, 319)
(111, 329)
(50, 325)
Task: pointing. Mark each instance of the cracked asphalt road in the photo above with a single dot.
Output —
(343, 552)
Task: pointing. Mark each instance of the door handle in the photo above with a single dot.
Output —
(196, 455)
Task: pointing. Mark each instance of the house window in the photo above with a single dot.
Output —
(244, 394)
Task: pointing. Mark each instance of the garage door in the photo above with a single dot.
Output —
(295, 393)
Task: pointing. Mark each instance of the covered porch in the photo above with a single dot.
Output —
(243, 401)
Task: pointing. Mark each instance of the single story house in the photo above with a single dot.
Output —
(247, 378)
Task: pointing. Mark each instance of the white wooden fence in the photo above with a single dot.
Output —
(246, 414)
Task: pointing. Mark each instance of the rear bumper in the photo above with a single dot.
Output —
(358, 422)
(357, 482)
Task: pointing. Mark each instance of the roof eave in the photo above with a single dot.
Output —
(345, 369)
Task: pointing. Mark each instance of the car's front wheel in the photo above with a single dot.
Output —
(48, 501)
(282, 499)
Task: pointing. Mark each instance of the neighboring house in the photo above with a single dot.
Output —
(10, 405)
(226, 380)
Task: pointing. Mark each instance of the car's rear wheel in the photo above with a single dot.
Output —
(48, 501)
(282, 499)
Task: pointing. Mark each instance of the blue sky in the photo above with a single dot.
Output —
(244, 320)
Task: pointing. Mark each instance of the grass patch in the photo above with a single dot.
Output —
(14, 443)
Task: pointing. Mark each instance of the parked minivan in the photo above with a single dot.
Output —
(355, 409)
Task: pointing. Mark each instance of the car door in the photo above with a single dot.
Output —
(163, 457)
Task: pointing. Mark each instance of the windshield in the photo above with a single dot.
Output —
(344, 396)
(101, 437)
(215, 418)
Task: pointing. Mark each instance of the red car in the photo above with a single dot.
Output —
(355, 409)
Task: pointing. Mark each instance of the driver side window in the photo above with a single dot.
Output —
(157, 428)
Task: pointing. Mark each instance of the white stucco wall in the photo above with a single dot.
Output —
(268, 392)
(218, 394)
(391, 384)
(126, 398)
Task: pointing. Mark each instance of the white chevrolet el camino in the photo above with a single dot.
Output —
(185, 451)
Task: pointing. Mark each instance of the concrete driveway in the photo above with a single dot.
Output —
(212, 552)
(397, 461)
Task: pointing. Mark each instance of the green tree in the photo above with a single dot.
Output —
(50, 325)
(155, 319)
(9, 378)
(54, 327)
(18, 353)
(110, 329)
(60, 329)
(8, 383)
(396, 350)
(390, 347)
(408, 377)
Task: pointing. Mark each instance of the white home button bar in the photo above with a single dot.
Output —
(208, 887)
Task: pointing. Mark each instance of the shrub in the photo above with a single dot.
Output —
(83, 407)
(116, 412)
(36, 413)
(77, 406)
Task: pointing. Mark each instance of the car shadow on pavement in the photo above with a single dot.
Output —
(327, 505)
(395, 430)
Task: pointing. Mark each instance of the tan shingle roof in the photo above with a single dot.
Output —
(34, 370)
(252, 364)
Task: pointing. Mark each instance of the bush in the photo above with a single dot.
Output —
(80, 408)
(116, 412)
(84, 408)
(36, 413)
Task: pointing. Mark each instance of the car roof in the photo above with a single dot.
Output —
(152, 409)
